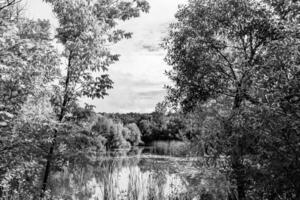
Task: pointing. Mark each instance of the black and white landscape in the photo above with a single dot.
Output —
(149, 100)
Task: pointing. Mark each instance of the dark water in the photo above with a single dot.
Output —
(160, 171)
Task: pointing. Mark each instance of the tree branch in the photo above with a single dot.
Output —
(251, 99)
(9, 3)
(225, 58)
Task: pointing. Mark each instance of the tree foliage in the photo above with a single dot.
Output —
(42, 123)
(27, 56)
(86, 28)
(116, 134)
(238, 62)
(28, 64)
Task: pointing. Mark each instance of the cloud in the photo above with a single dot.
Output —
(151, 94)
(139, 75)
(129, 80)
(151, 48)
(131, 94)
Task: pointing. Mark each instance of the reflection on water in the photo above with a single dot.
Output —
(138, 175)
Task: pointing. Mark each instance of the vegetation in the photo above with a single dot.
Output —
(233, 109)
(42, 123)
(158, 125)
(147, 179)
(116, 135)
(172, 148)
(236, 71)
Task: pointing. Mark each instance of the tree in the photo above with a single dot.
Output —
(174, 128)
(233, 49)
(86, 28)
(146, 130)
(28, 65)
(159, 116)
(115, 134)
(117, 138)
(23, 145)
(102, 127)
(26, 55)
(134, 136)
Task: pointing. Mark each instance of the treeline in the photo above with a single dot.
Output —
(154, 126)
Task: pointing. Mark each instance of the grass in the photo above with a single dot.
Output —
(120, 179)
(172, 148)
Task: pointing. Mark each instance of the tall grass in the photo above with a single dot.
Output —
(171, 148)
(116, 180)
(123, 177)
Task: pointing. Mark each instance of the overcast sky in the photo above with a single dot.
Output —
(139, 75)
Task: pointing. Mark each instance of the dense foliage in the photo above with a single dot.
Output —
(236, 72)
(115, 134)
(154, 126)
(236, 92)
(42, 124)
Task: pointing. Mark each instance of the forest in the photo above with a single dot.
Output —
(234, 99)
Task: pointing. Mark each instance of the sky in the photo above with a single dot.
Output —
(138, 76)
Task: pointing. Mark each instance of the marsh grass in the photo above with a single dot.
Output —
(171, 148)
(116, 179)
(138, 176)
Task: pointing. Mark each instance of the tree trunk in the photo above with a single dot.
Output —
(237, 155)
(239, 174)
(50, 154)
(47, 169)
(61, 116)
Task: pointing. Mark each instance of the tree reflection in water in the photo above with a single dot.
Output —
(134, 175)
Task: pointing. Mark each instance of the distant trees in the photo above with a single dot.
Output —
(128, 118)
(158, 125)
(146, 129)
(238, 63)
(115, 134)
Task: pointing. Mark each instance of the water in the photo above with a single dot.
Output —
(161, 171)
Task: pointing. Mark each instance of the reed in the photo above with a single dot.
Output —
(171, 148)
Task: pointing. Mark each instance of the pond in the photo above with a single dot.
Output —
(161, 171)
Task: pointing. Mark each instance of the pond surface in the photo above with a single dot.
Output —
(160, 171)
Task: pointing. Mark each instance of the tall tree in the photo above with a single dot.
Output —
(28, 65)
(28, 61)
(226, 49)
(86, 29)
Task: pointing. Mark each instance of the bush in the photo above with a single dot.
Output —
(134, 136)
(116, 135)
